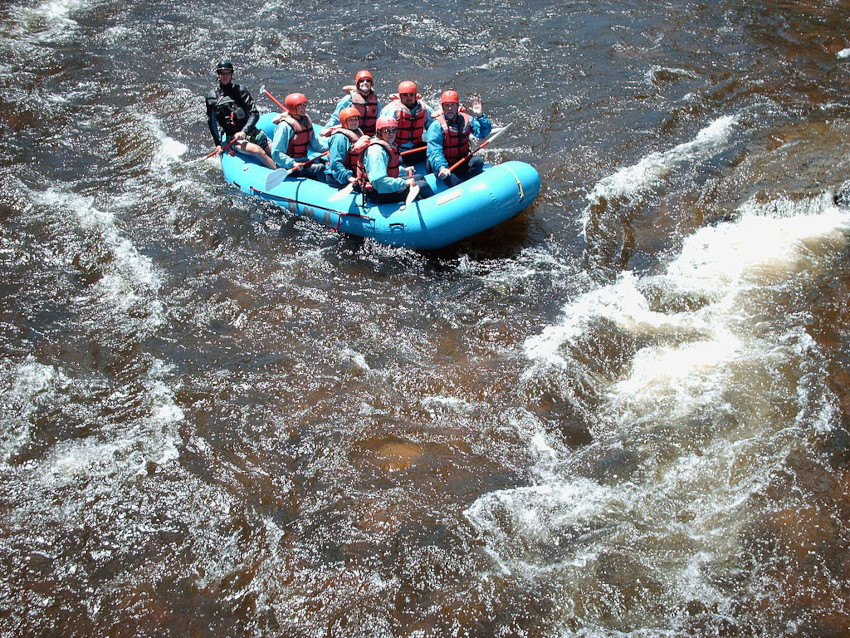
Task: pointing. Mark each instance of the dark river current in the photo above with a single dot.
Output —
(623, 413)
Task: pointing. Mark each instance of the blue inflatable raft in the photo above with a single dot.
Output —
(502, 191)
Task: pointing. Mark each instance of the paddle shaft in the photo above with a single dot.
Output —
(313, 159)
(274, 99)
(278, 175)
(483, 144)
(224, 147)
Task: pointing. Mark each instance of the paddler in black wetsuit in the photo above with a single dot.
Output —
(231, 109)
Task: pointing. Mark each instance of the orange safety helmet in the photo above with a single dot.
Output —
(386, 122)
(450, 97)
(347, 113)
(294, 99)
(407, 87)
(363, 75)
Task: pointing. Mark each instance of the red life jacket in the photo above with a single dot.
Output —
(368, 108)
(392, 165)
(455, 142)
(352, 157)
(410, 127)
(299, 145)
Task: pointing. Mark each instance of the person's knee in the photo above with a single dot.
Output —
(451, 180)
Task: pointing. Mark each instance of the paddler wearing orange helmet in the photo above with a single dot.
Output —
(448, 139)
(361, 96)
(294, 139)
(379, 167)
(345, 145)
(414, 117)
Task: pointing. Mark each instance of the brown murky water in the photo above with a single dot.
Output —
(623, 413)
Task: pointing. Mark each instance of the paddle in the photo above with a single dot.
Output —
(272, 97)
(412, 194)
(413, 150)
(483, 144)
(413, 191)
(276, 176)
(224, 147)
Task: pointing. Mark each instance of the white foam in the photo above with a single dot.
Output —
(58, 9)
(651, 170)
(675, 378)
(454, 403)
(165, 413)
(507, 275)
(30, 380)
(654, 71)
(169, 151)
(844, 53)
(623, 303)
(82, 458)
(130, 279)
(768, 243)
(56, 13)
(127, 449)
(33, 378)
(357, 358)
(699, 411)
(764, 247)
(535, 514)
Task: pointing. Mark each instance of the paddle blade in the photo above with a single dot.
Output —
(274, 178)
(412, 194)
(342, 192)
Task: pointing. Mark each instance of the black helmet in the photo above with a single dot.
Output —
(224, 65)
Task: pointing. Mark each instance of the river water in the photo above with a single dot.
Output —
(622, 413)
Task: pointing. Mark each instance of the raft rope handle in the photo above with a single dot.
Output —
(295, 201)
(339, 216)
(518, 182)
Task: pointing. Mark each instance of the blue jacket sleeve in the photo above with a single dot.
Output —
(481, 126)
(375, 162)
(389, 110)
(318, 144)
(434, 138)
(339, 145)
(333, 120)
